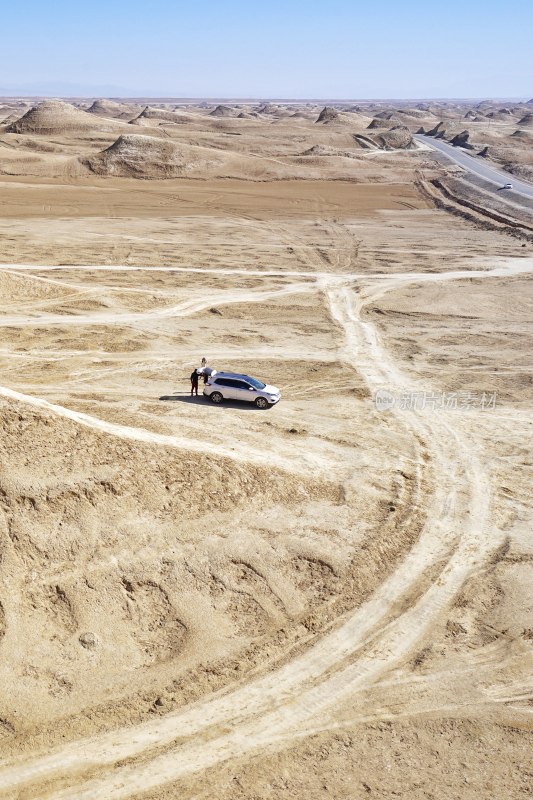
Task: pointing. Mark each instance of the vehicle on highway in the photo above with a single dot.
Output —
(507, 186)
(234, 386)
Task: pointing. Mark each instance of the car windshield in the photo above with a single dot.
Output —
(255, 383)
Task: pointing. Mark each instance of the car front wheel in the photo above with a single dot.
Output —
(261, 402)
(216, 398)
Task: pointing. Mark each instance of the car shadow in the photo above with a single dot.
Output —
(204, 401)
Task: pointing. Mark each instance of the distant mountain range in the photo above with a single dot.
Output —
(66, 89)
(63, 89)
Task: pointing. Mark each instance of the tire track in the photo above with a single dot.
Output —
(306, 466)
(184, 309)
(372, 640)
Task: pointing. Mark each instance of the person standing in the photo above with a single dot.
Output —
(194, 382)
(205, 370)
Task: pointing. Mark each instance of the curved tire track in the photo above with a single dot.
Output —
(288, 702)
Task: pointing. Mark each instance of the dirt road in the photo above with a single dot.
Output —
(310, 691)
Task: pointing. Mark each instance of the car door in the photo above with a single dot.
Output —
(226, 388)
(243, 391)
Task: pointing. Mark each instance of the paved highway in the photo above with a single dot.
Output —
(478, 167)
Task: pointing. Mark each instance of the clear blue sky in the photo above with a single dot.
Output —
(276, 48)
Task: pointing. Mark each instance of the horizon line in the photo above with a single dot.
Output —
(254, 99)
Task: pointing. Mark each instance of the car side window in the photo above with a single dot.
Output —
(232, 382)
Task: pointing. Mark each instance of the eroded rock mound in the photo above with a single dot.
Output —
(112, 109)
(269, 108)
(526, 121)
(53, 117)
(461, 140)
(502, 114)
(14, 117)
(153, 117)
(390, 116)
(222, 111)
(438, 131)
(136, 156)
(414, 113)
(328, 114)
(378, 122)
(397, 138)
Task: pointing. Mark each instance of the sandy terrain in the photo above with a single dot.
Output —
(330, 598)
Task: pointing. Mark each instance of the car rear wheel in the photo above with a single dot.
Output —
(261, 402)
(216, 398)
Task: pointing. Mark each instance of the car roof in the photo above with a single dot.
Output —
(231, 375)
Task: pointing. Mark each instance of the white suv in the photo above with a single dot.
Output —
(233, 386)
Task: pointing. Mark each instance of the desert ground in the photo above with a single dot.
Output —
(327, 599)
